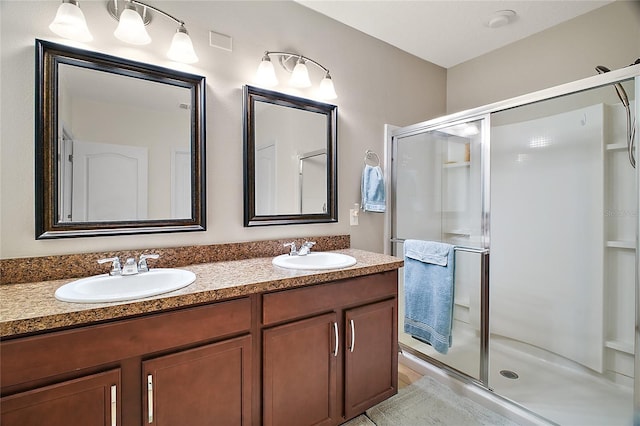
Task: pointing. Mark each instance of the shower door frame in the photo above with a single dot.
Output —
(483, 250)
(484, 113)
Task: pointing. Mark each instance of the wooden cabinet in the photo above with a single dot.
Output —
(331, 366)
(199, 359)
(201, 386)
(314, 355)
(371, 367)
(300, 372)
(93, 400)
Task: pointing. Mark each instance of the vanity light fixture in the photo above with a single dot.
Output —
(266, 75)
(70, 22)
(131, 29)
(133, 16)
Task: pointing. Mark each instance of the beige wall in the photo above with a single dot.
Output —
(376, 84)
(608, 36)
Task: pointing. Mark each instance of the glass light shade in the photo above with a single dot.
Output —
(266, 74)
(300, 76)
(181, 49)
(327, 91)
(131, 28)
(70, 23)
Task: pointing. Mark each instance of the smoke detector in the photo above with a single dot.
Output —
(501, 18)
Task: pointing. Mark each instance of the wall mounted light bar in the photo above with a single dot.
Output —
(133, 16)
(295, 64)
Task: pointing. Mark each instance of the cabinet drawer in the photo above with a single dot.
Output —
(296, 303)
(91, 401)
(33, 358)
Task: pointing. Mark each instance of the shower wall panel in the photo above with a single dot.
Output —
(547, 234)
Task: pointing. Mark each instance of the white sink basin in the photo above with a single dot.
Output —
(315, 260)
(106, 288)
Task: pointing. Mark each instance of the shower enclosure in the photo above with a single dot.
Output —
(539, 198)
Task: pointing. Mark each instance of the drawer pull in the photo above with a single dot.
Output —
(114, 405)
(335, 331)
(353, 335)
(150, 398)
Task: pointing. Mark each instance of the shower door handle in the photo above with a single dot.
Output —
(484, 309)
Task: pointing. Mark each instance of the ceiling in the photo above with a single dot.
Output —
(449, 32)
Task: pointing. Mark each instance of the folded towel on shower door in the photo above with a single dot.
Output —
(373, 196)
(429, 291)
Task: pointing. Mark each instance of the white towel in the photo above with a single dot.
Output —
(373, 196)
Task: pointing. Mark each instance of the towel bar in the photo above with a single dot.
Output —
(455, 248)
(484, 306)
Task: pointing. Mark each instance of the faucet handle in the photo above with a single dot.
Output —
(116, 269)
(309, 244)
(142, 263)
(294, 250)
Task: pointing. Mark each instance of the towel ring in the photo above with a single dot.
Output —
(371, 156)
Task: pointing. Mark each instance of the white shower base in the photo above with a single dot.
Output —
(563, 393)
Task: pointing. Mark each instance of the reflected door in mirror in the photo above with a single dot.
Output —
(109, 182)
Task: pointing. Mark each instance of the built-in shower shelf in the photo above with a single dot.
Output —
(621, 244)
(616, 146)
(458, 232)
(620, 346)
(456, 165)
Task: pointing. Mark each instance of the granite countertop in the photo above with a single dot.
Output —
(31, 307)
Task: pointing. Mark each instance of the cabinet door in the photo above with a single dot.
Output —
(299, 375)
(203, 386)
(89, 401)
(371, 356)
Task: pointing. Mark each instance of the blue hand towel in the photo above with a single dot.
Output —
(429, 291)
(373, 197)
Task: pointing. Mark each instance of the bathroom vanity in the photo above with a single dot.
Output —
(281, 347)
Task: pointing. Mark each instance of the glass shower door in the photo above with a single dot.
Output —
(563, 258)
(565, 255)
(437, 176)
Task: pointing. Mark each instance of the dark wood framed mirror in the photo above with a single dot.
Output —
(120, 146)
(290, 159)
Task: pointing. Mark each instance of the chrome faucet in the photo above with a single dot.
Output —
(130, 266)
(306, 248)
(142, 263)
(294, 249)
(116, 269)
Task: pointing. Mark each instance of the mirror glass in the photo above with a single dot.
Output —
(120, 146)
(290, 159)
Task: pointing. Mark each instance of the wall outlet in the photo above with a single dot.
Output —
(353, 217)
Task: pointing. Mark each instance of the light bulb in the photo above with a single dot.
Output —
(70, 23)
(327, 91)
(266, 74)
(131, 27)
(181, 49)
(300, 75)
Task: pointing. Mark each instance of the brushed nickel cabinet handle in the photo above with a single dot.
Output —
(335, 331)
(353, 334)
(150, 398)
(114, 405)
